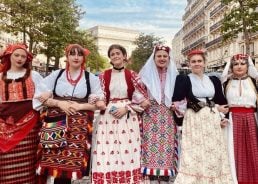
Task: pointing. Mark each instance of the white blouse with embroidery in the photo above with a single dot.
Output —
(65, 89)
(241, 93)
(202, 87)
(118, 86)
(38, 82)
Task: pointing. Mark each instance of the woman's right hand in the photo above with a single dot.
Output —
(145, 104)
(44, 96)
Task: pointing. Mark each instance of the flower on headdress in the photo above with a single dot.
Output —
(162, 47)
(239, 56)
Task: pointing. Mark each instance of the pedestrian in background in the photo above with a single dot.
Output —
(116, 150)
(76, 93)
(19, 123)
(159, 156)
(239, 83)
(204, 157)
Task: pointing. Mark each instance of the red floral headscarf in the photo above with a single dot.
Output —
(5, 55)
(68, 49)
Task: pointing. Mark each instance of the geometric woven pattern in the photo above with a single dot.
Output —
(159, 141)
(53, 137)
(71, 161)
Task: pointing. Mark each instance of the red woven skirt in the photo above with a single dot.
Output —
(245, 147)
(19, 164)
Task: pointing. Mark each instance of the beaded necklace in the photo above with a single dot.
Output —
(70, 80)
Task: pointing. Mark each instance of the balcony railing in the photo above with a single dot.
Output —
(209, 2)
(187, 13)
(213, 42)
(194, 30)
(198, 42)
(201, 11)
(195, 44)
(185, 49)
(215, 26)
(216, 10)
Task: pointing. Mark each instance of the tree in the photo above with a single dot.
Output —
(61, 19)
(51, 23)
(145, 45)
(242, 18)
(21, 16)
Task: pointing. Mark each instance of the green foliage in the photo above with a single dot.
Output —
(48, 26)
(241, 18)
(145, 45)
(61, 19)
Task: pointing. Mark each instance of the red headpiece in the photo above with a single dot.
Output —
(239, 56)
(12, 47)
(5, 55)
(194, 52)
(86, 52)
(162, 47)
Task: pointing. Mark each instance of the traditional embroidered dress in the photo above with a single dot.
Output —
(72, 161)
(159, 137)
(242, 131)
(204, 157)
(19, 126)
(116, 151)
(159, 157)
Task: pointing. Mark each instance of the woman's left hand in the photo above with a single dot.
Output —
(120, 112)
(74, 106)
(223, 108)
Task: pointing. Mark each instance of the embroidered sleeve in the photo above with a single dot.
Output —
(140, 94)
(96, 89)
(102, 84)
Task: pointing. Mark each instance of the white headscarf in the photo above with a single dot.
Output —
(150, 77)
(227, 72)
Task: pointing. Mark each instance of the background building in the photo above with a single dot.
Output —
(195, 26)
(177, 46)
(106, 36)
(201, 30)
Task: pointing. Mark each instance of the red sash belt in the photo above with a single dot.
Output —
(241, 110)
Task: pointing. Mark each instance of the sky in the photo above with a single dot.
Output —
(162, 18)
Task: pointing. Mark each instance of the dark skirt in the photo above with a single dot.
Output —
(72, 161)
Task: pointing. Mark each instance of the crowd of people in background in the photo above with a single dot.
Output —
(157, 126)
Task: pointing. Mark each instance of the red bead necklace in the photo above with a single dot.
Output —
(70, 80)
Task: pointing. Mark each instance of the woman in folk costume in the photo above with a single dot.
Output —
(239, 83)
(19, 123)
(75, 92)
(204, 156)
(159, 132)
(116, 150)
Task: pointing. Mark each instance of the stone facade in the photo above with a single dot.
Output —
(201, 30)
(106, 36)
